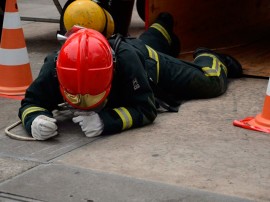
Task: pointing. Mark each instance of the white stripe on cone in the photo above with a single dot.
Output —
(268, 88)
(12, 21)
(13, 57)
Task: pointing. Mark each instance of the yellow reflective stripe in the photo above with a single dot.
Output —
(125, 117)
(215, 70)
(153, 54)
(163, 31)
(31, 110)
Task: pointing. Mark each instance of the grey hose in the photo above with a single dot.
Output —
(14, 136)
(62, 107)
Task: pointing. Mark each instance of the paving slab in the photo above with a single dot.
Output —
(11, 167)
(38, 9)
(197, 147)
(65, 183)
(8, 113)
(8, 197)
(70, 137)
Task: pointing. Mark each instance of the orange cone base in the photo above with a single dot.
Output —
(258, 123)
(14, 80)
(14, 90)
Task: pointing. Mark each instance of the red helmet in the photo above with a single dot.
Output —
(85, 68)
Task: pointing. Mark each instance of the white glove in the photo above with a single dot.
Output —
(90, 123)
(44, 127)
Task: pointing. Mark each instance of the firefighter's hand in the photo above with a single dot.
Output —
(44, 127)
(90, 123)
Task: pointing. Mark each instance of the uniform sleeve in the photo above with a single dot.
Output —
(42, 96)
(135, 101)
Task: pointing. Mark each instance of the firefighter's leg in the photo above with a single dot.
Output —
(160, 35)
(203, 78)
(215, 68)
(121, 11)
(212, 80)
(233, 66)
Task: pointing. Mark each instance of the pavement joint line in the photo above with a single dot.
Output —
(15, 197)
(22, 158)
(49, 160)
(129, 178)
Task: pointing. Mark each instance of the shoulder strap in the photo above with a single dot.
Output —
(118, 38)
(117, 41)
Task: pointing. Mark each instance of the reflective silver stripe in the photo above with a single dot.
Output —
(163, 31)
(12, 20)
(153, 54)
(31, 110)
(125, 117)
(13, 57)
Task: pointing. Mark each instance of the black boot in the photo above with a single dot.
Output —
(121, 11)
(166, 20)
(233, 66)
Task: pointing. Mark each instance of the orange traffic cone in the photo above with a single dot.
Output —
(15, 71)
(262, 121)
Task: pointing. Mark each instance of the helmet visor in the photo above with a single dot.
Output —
(86, 101)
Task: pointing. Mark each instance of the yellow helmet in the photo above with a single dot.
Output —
(109, 27)
(89, 14)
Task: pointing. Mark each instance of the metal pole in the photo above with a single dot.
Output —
(58, 6)
(2, 11)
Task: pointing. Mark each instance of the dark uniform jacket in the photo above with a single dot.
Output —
(130, 104)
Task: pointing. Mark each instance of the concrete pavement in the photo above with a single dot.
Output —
(193, 155)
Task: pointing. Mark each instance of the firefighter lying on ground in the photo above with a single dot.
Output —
(118, 84)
